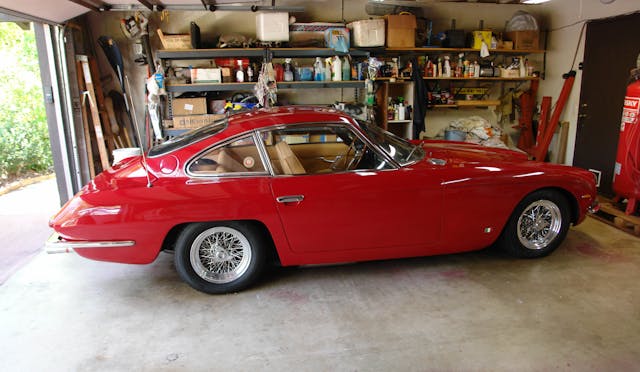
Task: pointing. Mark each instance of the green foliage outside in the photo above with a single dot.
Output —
(24, 139)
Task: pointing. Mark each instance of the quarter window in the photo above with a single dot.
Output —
(239, 156)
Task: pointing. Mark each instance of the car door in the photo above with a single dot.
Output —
(369, 206)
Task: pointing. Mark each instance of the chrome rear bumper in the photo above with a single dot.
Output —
(55, 244)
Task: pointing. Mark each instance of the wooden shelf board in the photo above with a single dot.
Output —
(469, 103)
(458, 50)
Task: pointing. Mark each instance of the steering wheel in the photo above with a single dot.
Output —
(339, 159)
(357, 156)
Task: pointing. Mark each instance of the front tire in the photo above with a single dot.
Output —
(219, 258)
(537, 226)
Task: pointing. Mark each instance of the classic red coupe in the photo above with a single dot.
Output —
(312, 185)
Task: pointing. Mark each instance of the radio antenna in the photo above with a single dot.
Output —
(135, 122)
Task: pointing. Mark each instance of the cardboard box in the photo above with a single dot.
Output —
(401, 31)
(524, 40)
(309, 34)
(479, 37)
(272, 26)
(505, 73)
(368, 32)
(206, 75)
(189, 106)
(178, 41)
(194, 121)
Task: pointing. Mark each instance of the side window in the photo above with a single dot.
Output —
(239, 156)
(320, 149)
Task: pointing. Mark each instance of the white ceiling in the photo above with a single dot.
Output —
(58, 11)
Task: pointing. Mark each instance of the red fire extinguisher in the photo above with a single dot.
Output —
(626, 175)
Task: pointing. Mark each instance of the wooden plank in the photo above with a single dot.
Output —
(613, 216)
(95, 114)
(85, 121)
(108, 132)
(563, 139)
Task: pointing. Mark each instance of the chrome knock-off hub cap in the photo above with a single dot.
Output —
(539, 224)
(220, 254)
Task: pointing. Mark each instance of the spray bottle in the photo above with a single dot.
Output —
(346, 69)
(336, 67)
(327, 69)
(318, 70)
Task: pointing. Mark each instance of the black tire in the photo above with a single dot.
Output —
(537, 226)
(236, 256)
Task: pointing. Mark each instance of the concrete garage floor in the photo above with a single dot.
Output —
(578, 309)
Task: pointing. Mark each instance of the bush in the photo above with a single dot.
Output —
(24, 138)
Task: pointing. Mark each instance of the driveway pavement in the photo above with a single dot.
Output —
(24, 216)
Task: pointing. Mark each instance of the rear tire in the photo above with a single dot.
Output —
(537, 226)
(218, 258)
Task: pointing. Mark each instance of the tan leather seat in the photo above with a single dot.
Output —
(228, 164)
(288, 160)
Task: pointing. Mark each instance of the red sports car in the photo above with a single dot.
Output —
(311, 185)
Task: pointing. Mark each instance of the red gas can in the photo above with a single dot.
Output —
(626, 175)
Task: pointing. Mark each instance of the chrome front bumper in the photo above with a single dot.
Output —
(594, 207)
(55, 244)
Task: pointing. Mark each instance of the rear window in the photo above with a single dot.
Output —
(189, 137)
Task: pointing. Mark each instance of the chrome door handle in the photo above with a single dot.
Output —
(290, 199)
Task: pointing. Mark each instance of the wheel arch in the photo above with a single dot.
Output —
(569, 197)
(170, 239)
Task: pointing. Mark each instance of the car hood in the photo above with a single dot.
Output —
(462, 152)
(495, 162)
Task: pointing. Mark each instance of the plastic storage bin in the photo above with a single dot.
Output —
(368, 32)
(272, 26)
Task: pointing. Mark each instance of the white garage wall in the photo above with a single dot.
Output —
(555, 14)
(566, 18)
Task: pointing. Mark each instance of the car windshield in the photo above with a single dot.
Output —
(189, 137)
(401, 150)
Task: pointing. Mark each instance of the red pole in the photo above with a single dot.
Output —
(543, 146)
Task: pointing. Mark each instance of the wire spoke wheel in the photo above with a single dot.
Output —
(220, 254)
(539, 224)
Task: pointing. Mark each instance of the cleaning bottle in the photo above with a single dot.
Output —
(428, 68)
(336, 67)
(327, 69)
(318, 70)
(288, 70)
(522, 67)
(394, 68)
(240, 72)
(346, 69)
(447, 67)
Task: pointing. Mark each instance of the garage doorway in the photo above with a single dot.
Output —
(611, 51)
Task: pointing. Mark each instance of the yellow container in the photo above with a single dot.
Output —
(479, 37)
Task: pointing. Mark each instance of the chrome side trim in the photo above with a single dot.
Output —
(55, 244)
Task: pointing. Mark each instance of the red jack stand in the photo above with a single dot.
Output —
(525, 122)
(547, 127)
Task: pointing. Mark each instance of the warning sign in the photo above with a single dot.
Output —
(630, 111)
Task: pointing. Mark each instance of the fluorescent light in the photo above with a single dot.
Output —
(534, 1)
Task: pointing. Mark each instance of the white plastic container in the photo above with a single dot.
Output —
(368, 32)
(272, 26)
(125, 153)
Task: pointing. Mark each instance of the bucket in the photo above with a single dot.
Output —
(127, 152)
(455, 135)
